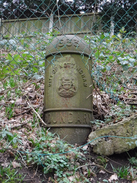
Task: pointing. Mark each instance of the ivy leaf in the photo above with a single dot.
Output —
(35, 69)
(97, 54)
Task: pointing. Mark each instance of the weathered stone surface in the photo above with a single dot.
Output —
(124, 130)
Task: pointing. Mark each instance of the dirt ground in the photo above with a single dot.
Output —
(103, 168)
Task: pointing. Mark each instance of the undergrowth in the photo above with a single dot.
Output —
(23, 59)
(48, 152)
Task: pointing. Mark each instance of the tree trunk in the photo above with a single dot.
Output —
(111, 26)
(51, 23)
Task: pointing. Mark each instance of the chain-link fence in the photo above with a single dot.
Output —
(108, 27)
(51, 44)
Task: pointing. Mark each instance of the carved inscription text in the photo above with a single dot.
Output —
(68, 118)
(67, 70)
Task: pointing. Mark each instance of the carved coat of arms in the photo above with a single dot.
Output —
(67, 77)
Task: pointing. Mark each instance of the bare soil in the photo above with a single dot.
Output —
(103, 168)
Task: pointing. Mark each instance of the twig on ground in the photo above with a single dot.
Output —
(87, 165)
(35, 172)
(22, 159)
(101, 168)
(20, 125)
(113, 161)
(94, 164)
(15, 115)
(37, 114)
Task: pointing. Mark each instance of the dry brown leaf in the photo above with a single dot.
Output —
(2, 114)
(85, 147)
(29, 89)
(71, 178)
(101, 171)
(19, 101)
(15, 164)
(17, 111)
(32, 96)
(5, 164)
(113, 177)
(11, 153)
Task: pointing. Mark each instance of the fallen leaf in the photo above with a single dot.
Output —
(29, 89)
(17, 111)
(19, 101)
(71, 178)
(113, 177)
(11, 153)
(15, 164)
(101, 171)
(85, 147)
(5, 165)
(32, 96)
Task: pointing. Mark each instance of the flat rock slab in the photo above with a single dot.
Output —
(116, 138)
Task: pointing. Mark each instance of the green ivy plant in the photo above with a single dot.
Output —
(10, 175)
(113, 63)
(52, 157)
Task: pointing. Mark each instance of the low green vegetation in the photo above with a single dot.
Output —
(113, 71)
(133, 161)
(10, 175)
(122, 172)
(22, 63)
(114, 62)
(48, 152)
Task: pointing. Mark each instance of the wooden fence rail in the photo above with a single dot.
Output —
(66, 24)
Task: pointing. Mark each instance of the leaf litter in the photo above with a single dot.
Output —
(21, 119)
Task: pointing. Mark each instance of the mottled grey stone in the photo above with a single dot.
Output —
(119, 137)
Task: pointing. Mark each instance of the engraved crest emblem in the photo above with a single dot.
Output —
(67, 88)
(68, 83)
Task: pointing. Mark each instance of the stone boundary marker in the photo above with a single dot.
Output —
(107, 146)
(68, 65)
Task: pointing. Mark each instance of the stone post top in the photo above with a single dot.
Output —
(68, 44)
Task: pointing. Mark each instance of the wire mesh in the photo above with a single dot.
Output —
(27, 30)
(108, 27)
